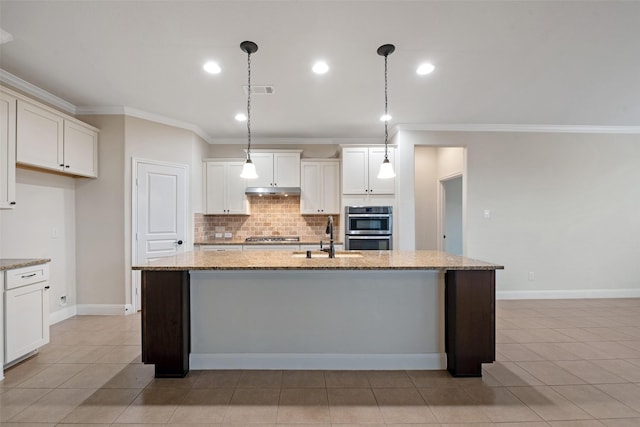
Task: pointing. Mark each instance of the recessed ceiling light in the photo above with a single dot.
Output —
(426, 68)
(212, 68)
(241, 117)
(320, 67)
(385, 118)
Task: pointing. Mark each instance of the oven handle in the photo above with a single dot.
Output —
(369, 215)
(368, 233)
(353, 237)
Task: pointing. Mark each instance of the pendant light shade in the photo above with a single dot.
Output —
(386, 168)
(248, 169)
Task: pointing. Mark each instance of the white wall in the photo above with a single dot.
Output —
(426, 180)
(42, 225)
(563, 206)
(100, 217)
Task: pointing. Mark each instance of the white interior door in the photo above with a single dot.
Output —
(160, 227)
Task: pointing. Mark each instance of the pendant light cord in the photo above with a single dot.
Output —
(248, 105)
(386, 132)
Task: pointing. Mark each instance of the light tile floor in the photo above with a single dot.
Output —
(561, 363)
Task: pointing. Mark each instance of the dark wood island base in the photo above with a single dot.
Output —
(469, 321)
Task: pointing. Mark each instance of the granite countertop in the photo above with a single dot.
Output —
(11, 263)
(284, 260)
(243, 242)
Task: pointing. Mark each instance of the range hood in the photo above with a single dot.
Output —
(272, 191)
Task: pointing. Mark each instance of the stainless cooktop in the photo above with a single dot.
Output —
(272, 239)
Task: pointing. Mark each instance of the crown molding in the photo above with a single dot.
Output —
(457, 127)
(29, 89)
(140, 114)
(294, 141)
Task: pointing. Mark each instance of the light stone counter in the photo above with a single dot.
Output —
(12, 263)
(273, 310)
(284, 260)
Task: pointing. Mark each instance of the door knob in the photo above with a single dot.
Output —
(179, 242)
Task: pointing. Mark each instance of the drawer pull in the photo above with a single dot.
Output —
(28, 275)
(47, 287)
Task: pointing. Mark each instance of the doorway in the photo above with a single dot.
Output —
(159, 217)
(450, 225)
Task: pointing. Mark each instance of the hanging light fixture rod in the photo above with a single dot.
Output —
(248, 169)
(386, 168)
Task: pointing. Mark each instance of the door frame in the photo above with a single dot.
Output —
(440, 196)
(135, 274)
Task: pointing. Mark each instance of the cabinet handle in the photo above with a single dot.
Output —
(66, 166)
(12, 203)
(62, 164)
(28, 275)
(47, 287)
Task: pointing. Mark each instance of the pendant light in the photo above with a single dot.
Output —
(386, 168)
(248, 169)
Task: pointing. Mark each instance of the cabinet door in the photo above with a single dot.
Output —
(264, 169)
(311, 188)
(27, 319)
(7, 151)
(236, 200)
(380, 186)
(214, 187)
(331, 188)
(286, 169)
(80, 149)
(355, 179)
(39, 137)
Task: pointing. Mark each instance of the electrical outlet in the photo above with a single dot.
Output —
(63, 300)
(532, 276)
(228, 235)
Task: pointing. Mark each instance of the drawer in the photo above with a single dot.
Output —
(26, 276)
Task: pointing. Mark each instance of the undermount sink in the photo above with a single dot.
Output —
(318, 254)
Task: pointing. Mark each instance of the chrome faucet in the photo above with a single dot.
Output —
(331, 250)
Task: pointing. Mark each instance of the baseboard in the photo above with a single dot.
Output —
(60, 315)
(102, 309)
(426, 361)
(569, 294)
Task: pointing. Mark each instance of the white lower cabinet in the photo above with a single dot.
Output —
(26, 311)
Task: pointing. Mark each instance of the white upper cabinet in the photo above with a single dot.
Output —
(80, 149)
(40, 137)
(7, 151)
(320, 186)
(50, 140)
(224, 189)
(276, 169)
(360, 167)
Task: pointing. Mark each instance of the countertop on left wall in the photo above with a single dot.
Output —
(11, 263)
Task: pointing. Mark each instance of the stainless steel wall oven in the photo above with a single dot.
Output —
(368, 228)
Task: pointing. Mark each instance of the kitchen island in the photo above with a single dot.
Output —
(281, 310)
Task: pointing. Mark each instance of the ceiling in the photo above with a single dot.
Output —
(520, 63)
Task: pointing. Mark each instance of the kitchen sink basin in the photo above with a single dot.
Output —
(319, 254)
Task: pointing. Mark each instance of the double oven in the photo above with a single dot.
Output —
(368, 228)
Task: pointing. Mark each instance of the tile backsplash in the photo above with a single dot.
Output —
(270, 216)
